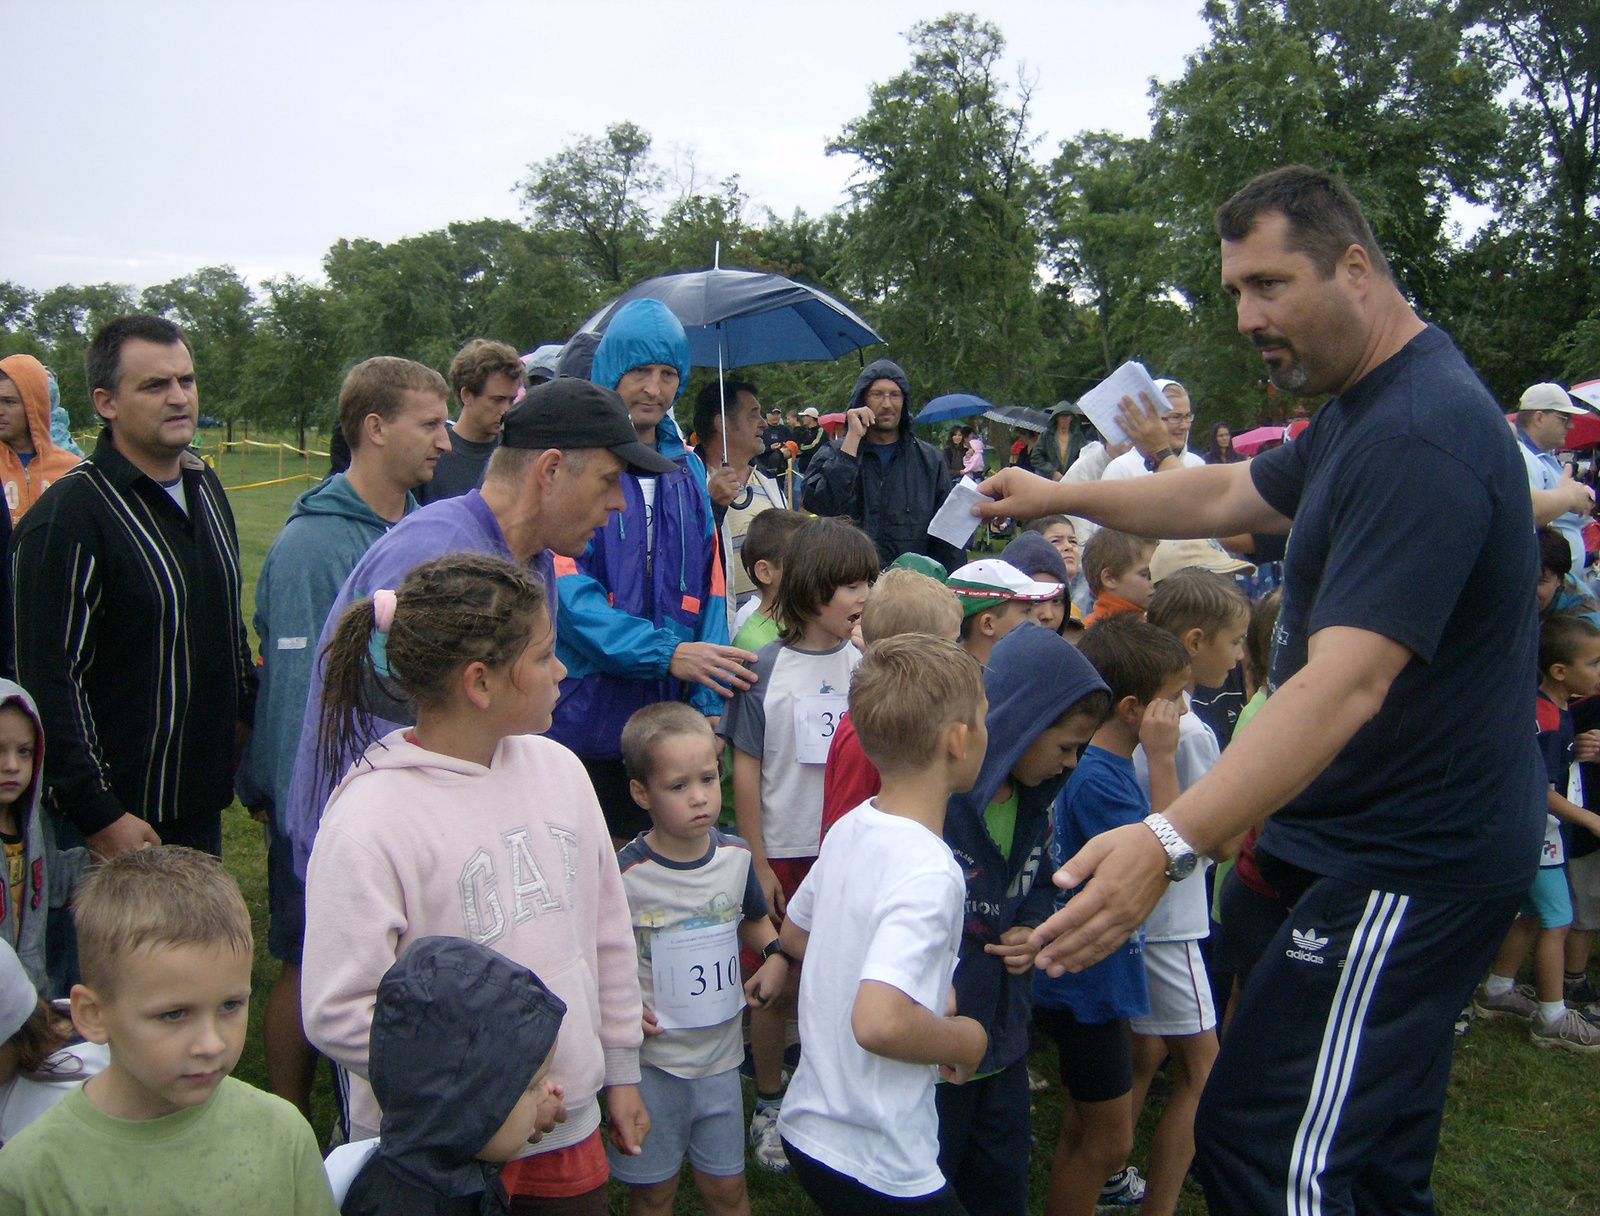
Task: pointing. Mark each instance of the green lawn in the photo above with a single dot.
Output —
(1520, 1133)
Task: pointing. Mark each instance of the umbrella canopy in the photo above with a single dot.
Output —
(952, 406)
(739, 318)
(1251, 442)
(1587, 392)
(1020, 417)
(1585, 432)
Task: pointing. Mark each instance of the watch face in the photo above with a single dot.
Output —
(1180, 868)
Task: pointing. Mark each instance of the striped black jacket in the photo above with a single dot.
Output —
(129, 637)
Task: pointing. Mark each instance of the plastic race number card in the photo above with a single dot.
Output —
(696, 976)
(816, 718)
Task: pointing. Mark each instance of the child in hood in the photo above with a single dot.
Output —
(462, 1040)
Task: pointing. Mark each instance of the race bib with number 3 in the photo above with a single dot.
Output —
(816, 718)
(695, 973)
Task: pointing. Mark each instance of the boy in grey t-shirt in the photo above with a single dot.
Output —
(694, 899)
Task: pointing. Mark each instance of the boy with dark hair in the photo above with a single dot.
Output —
(1045, 702)
(1116, 566)
(485, 378)
(1558, 591)
(164, 931)
(1087, 1013)
(883, 905)
(1569, 668)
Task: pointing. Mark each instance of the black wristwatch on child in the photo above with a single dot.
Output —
(775, 946)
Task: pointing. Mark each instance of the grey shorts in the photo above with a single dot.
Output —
(1583, 879)
(702, 1117)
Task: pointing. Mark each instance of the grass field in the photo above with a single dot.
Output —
(1521, 1133)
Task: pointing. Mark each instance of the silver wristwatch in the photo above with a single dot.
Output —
(1181, 859)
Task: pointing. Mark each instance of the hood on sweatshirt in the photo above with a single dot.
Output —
(23, 485)
(1034, 555)
(27, 804)
(33, 381)
(639, 333)
(337, 497)
(458, 1031)
(884, 369)
(1033, 677)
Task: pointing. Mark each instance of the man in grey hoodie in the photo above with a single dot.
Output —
(392, 412)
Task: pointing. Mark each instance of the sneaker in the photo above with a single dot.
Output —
(1571, 1033)
(1591, 1013)
(1517, 1003)
(764, 1141)
(1036, 1081)
(1580, 992)
(1464, 1021)
(1123, 1190)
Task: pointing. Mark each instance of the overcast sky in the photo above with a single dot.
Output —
(144, 140)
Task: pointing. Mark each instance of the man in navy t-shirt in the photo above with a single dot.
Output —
(1404, 788)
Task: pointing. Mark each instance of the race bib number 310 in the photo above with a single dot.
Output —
(696, 976)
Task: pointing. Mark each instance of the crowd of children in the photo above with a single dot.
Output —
(524, 1014)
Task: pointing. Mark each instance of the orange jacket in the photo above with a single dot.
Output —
(1106, 604)
(24, 485)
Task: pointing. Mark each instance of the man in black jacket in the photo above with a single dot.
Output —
(129, 633)
(891, 487)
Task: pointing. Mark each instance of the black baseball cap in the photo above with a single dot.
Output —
(571, 413)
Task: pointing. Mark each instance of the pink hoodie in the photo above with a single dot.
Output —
(515, 856)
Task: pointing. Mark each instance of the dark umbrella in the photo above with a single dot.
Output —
(1021, 418)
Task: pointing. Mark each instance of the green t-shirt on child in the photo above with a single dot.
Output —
(756, 632)
(242, 1151)
(1000, 818)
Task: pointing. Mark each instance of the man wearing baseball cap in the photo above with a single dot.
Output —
(1544, 416)
(995, 598)
(553, 480)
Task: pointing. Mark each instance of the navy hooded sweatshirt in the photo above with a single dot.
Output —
(892, 500)
(458, 1031)
(1032, 678)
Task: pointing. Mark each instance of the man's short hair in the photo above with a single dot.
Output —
(767, 538)
(145, 898)
(1133, 657)
(904, 694)
(1109, 551)
(1324, 217)
(478, 360)
(1196, 599)
(1560, 636)
(378, 386)
(1555, 554)
(708, 406)
(102, 362)
(904, 601)
(648, 727)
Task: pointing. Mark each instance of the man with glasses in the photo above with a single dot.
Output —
(1155, 452)
(891, 485)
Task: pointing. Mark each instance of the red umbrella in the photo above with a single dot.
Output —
(1250, 442)
(1585, 432)
(831, 422)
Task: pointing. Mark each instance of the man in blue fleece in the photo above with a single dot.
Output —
(1045, 702)
(392, 413)
(642, 611)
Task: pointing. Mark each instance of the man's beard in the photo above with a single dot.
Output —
(1289, 378)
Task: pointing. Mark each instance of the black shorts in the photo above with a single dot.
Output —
(1096, 1058)
(286, 900)
(625, 819)
(834, 1192)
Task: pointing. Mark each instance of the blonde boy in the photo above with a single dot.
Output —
(1116, 566)
(164, 946)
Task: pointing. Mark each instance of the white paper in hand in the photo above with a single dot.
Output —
(955, 523)
(1100, 403)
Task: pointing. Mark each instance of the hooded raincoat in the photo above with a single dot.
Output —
(48, 876)
(891, 501)
(641, 588)
(457, 1033)
(329, 528)
(1032, 678)
(24, 483)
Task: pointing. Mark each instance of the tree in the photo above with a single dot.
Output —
(64, 319)
(941, 233)
(1387, 95)
(596, 194)
(297, 361)
(215, 309)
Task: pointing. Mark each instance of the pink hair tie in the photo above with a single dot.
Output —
(383, 604)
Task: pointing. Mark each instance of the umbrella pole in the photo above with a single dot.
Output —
(722, 400)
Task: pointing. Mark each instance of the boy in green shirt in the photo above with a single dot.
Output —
(164, 945)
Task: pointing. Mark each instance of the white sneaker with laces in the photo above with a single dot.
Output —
(765, 1143)
(1571, 1032)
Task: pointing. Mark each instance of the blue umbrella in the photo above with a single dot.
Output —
(739, 318)
(952, 406)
